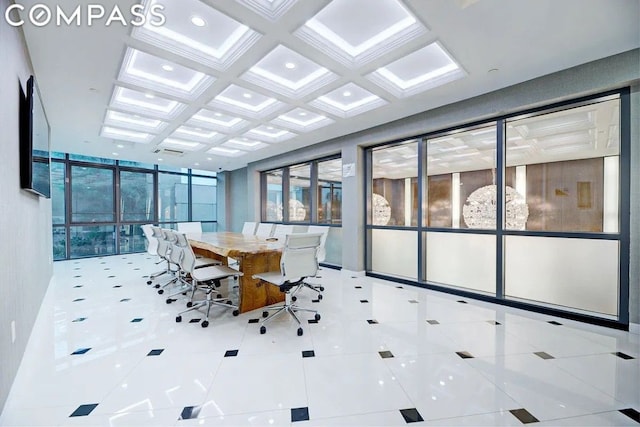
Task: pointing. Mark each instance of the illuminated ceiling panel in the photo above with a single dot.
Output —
(348, 101)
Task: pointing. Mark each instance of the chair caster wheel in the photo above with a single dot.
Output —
(300, 332)
(263, 330)
(184, 293)
(161, 291)
(321, 288)
(149, 282)
(294, 299)
(189, 304)
(204, 324)
(178, 319)
(219, 296)
(265, 314)
(320, 296)
(156, 286)
(235, 312)
(169, 301)
(229, 302)
(317, 317)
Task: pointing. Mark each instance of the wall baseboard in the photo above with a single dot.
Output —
(350, 273)
(634, 328)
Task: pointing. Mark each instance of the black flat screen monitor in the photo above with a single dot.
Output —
(34, 143)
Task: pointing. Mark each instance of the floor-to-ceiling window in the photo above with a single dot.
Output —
(313, 193)
(527, 208)
(99, 205)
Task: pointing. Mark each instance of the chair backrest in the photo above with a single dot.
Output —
(264, 230)
(322, 253)
(188, 259)
(163, 245)
(175, 253)
(152, 242)
(249, 228)
(190, 227)
(281, 230)
(300, 256)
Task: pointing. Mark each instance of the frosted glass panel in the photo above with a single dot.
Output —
(575, 273)
(462, 260)
(395, 252)
(333, 246)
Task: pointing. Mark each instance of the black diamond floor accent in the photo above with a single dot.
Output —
(189, 412)
(493, 322)
(308, 353)
(524, 416)
(315, 300)
(399, 287)
(137, 268)
(78, 299)
(372, 321)
(156, 352)
(194, 321)
(385, 354)
(84, 410)
(631, 413)
(79, 319)
(299, 414)
(107, 268)
(78, 286)
(354, 277)
(117, 286)
(364, 301)
(622, 355)
(129, 262)
(464, 354)
(553, 322)
(75, 277)
(254, 320)
(77, 268)
(411, 415)
(103, 262)
(412, 301)
(125, 299)
(110, 277)
(462, 301)
(231, 353)
(433, 322)
(312, 321)
(137, 320)
(543, 355)
(358, 287)
(81, 351)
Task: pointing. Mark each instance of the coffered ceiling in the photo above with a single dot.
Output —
(223, 83)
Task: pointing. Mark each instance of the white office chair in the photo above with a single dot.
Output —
(249, 228)
(322, 254)
(164, 252)
(190, 227)
(206, 279)
(152, 249)
(264, 230)
(299, 260)
(280, 231)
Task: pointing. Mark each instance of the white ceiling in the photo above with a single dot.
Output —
(262, 77)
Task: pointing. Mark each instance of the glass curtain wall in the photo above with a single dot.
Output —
(99, 205)
(526, 208)
(313, 192)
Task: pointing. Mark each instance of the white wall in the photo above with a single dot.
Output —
(25, 219)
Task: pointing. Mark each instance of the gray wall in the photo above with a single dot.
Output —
(25, 219)
(235, 204)
(594, 77)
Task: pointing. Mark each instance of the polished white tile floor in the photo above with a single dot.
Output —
(382, 354)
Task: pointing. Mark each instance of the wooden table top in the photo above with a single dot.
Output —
(234, 244)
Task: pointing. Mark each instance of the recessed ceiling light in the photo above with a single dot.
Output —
(209, 158)
(346, 93)
(270, 127)
(120, 146)
(246, 95)
(198, 21)
(159, 160)
(114, 153)
(217, 114)
(167, 67)
(196, 164)
(149, 95)
(302, 113)
(290, 65)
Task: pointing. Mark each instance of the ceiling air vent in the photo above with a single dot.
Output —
(168, 152)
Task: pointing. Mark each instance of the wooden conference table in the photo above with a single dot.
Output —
(254, 254)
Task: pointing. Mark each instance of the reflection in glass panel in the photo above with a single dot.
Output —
(203, 202)
(167, 168)
(395, 252)
(58, 176)
(202, 172)
(139, 165)
(92, 194)
(395, 185)
(566, 167)
(132, 239)
(273, 208)
(173, 197)
(333, 246)
(461, 190)
(92, 241)
(90, 159)
(209, 227)
(330, 192)
(300, 193)
(136, 196)
(57, 155)
(59, 243)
